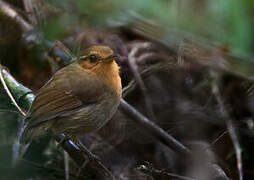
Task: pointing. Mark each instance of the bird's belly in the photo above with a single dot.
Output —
(85, 120)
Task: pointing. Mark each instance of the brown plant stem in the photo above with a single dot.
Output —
(9, 11)
(155, 130)
(134, 68)
(230, 125)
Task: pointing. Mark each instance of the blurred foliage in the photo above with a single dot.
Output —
(40, 158)
(219, 22)
(8, 124)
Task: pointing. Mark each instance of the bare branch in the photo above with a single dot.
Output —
(230, 126)
(144, 74)
(8, 11)
(155, 130)
(134, 68)
(149, 170)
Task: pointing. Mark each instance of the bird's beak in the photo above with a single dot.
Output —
(111, 58)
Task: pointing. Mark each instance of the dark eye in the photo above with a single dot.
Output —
(92, 58)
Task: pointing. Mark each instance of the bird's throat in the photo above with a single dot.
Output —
(109, 73)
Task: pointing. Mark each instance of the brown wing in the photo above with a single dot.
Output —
(69, 89)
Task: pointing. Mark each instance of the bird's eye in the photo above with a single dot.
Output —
(92, 58)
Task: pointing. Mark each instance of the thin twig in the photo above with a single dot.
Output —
(91, 157)
(33, 10)
(30, 37)
(214, 141)
(149, 170)
(155, 130)
(9, 93)
(134, 68)
(218, 138)
(230, 126)
(8, 11)
(144, 74)
(66, 165)
(77, 155)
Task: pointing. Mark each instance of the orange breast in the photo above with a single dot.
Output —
(109, 73)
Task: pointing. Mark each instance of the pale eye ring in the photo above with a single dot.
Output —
(92, 58)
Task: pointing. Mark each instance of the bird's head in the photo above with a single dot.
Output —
(96, 57)
(100, 61)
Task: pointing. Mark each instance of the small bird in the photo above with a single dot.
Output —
(80, 98)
